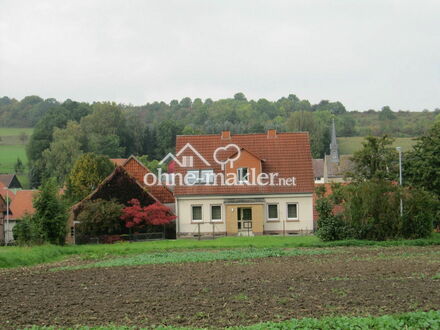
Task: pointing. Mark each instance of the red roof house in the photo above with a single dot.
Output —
(246, 204)
(20, 204)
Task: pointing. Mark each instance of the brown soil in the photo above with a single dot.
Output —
(359, 281)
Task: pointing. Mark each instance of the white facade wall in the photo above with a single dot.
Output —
(186, 227)
(184, 215)
(7, 231)
(305, 214)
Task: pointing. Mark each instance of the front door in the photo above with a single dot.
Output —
(244, 219)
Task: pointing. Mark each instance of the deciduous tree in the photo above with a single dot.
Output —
(422, 164)
(19, 166)
(376, 160)
(64, 150)
(138, 216)
(87, 173)
(50, 213)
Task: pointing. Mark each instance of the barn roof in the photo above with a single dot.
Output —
(10, 181)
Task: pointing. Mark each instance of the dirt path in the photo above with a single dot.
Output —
(358, 281)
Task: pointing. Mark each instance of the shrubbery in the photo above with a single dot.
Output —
(100, 217)
(48, 224)
(28, 232)
(331, 226)
(137, 216)
(371, 210)
(420, 213)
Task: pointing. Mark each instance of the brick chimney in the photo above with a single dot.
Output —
(271, 133)
(226, 135)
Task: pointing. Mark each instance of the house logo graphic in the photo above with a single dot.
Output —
(227, 160)
(188, 161)
(184, 161)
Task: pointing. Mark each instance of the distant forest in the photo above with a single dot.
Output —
(65, 130)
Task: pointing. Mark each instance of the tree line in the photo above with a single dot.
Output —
(63, 131)
(372, 206)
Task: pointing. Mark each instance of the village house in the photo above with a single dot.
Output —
(20, 204)
(246, 207)
(123, 184)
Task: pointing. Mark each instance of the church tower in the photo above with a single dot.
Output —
(334, 154)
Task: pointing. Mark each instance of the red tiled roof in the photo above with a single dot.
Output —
(118, 161)
(6, 192)
(22, 203)
(287, 154)
(233, 153)
(138, 171)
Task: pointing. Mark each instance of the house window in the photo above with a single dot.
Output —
(242, 174)
(199, 177)
(206, 176)
(292, 211)
(216, 213)
(191, 177)
(197, 213)
(272, 211)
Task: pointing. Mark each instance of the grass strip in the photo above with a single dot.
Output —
(27, 256)
(195, 256)
(413, 320)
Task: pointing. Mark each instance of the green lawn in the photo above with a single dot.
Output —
(9, 155)
(196, 256)
(348, 145)
(11, 147)
(11, 131)
(26, 256)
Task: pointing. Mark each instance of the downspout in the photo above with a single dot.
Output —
(177, 219)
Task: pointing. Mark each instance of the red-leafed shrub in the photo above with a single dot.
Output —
(141, 216)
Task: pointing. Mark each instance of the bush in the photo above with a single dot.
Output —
(331, 229)
(420, 213)
(330, 226)
(370, 210)
(50, 213)
(28, 232)
(100, 217)
(138, 216)
(48, 224)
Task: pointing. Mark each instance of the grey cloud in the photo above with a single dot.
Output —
(363, 53)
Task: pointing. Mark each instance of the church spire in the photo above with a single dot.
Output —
(334, 154)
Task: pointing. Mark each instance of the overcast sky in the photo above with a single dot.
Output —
(365, 54)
